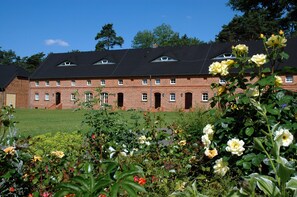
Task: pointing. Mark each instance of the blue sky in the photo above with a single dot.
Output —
(32, 26)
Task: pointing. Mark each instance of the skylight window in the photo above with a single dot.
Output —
(103, 61)
(165, 59)
(67, 63)
(224, 56)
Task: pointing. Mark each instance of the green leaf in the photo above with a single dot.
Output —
(83, 182)
(129, 190)
(267, 186)
(246, 165)
(134, 185)
(249, 131)
(292, 183)
(284, 170)
(128, 173)
(284, 55)
(114, 190)
(258, 144)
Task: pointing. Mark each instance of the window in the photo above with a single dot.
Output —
(120, 82)
(144, 81)
(36, 98)
(72, 97)
(204, 96)
(72, 82)
(165, 59)
(46, 83)
(46, 97)
(89, 82)
(157, 81)
(144, 97)
(67, 63)
(224, 56)
(88, 96)
(58, 82)
(103, 82)
(103, 98)
(172, 81)
(289, 79)
(222, 81)
(104, 61)
(172, 97)
(36, 83)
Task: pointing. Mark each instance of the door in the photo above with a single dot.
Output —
(188, 100)
(157, 100)
(120, 99)
(10, 100)
(58, 98)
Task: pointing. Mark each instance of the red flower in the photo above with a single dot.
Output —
(141, 181)
(46, 194)
(102, 195)
(93, 136)
(11, 189)
(30, 195)
(136, 178)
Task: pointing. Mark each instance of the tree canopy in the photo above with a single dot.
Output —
(107, 38)
(162, 35)
(260, 16)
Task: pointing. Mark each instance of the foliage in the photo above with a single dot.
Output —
(267, 115)
(162, 35)
(12, 160)
(259, 16)
(107, 38)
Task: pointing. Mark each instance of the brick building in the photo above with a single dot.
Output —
(165, 78)
(14, 86)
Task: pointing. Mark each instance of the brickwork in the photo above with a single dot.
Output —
(132, 90)
(19, 87)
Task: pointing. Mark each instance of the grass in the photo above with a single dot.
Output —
(32, 122)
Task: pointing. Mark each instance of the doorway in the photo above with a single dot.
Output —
(157, 100)
(188, 100)
(58, 98)
(120, 99)
(11, 100)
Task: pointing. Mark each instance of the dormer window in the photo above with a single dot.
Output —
(67, 63)
(165, 59)
(224, 56)
(103, 61)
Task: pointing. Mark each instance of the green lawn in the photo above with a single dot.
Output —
(31, 122)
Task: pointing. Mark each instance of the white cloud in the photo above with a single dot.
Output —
(58, 42)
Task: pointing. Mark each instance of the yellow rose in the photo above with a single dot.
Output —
(235, 146)
(278, 81)
(276, 41)
(262, 36)
(58, 154)
(221, 90)
(182, 142)
(215, 68)
(220, 167)
(259, 59)
(224, 68)
(211, 153)
(281, 32)
(36, 158)
(9, 150)
(240, 49)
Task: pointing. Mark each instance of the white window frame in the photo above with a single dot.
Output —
(222, 81)
(47, 83)
(172, 81)
(120, 82)
(73, 82)
(88, 96)
(36, 97)
(289, 79)
(89, 82)
(46, 97)
(157, 81)
(58, 83)
(144, 97)
(103, 82)
(104, 98)
(172, 97)
(72, 97)
(36, 83)
(144, 81)
(204, 97)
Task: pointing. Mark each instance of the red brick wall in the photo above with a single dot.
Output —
(132, 90)
(20, 87)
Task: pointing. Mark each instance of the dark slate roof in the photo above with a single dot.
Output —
(192, 61)
(9, 72)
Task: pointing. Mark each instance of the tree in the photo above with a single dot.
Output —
(31, 63)
(162, 35)
(258, 17)
(107, 38)
(8, 57)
